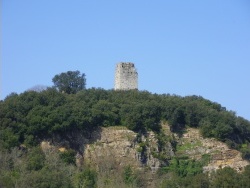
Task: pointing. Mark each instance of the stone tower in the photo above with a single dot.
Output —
(126, 76)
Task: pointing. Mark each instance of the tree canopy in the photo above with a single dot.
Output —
(37, 114)
(30, 117)
(70, 82)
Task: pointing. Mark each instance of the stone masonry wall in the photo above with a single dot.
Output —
(126, 76)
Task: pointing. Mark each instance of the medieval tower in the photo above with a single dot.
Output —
(126, 76)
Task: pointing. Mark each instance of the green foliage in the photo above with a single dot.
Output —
(163, 152)
(142, 147)
(226, 177)
(186, 167)
(9, 138)
(223, 130)
(129, 176)
(30, 168)
(245, 177)
(177, 120)
(205, 128)
(140, 117)
(68, 156)
(105, 113)
(197, 181)
(36, 159)
(245, 152)
(30, 141)
(49, 178)
(86, 178)
(32, 116)
(70, 82)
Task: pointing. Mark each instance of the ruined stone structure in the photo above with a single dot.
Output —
(126, 76)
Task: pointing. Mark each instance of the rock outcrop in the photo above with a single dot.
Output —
(220, 154)
(120, 147)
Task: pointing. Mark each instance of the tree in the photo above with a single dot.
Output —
(87, 178)
(68, 156)
(177, 120)
(245, 178)
(226, 177)
(128, 175)
(70, 82)
(36, 159)
(104, 113)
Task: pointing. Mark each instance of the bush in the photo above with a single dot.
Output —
(87, 178)
(68, 156)
(36, 159)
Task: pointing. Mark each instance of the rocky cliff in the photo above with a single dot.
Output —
(118, 146)
(194, 145)
(125, 147)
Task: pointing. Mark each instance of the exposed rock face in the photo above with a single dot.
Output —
(114, 144)
(221, 155)
(121, 145)
(149, 160)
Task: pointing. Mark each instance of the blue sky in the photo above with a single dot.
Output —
(178, 47)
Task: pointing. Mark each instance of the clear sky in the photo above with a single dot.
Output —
(178, 47)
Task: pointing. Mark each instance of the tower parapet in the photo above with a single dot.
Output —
(126, 76)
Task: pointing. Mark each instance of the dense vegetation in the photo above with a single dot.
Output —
(30, 117)
(226, 177)
(33, 168)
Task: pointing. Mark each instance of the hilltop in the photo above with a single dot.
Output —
(109, 138)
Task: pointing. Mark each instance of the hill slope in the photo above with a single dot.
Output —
(162, 136)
